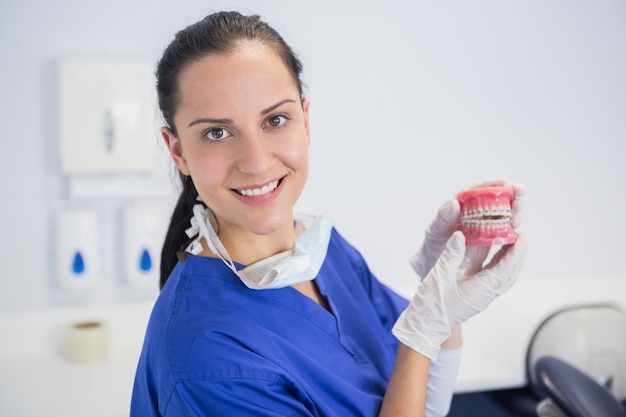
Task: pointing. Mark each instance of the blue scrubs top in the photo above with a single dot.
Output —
(213, 347)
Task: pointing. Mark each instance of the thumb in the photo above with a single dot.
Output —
(447, 216)
(453, 254)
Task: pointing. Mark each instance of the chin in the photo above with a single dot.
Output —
(267, 225)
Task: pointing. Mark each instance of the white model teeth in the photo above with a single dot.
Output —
(486, 217)
(487, 223)
(253, 192)
(480, 213)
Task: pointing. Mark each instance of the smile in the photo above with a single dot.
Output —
(256, 192)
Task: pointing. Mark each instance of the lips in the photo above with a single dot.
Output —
(486, 214)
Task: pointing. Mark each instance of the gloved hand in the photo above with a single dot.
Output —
(442, 302)
(437, 234)
(441, 228)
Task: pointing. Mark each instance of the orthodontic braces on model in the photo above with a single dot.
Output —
(486, 216)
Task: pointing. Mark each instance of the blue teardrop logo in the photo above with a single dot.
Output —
(78, 264)
(145, 262)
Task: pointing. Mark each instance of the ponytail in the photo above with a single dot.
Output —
(176, 238)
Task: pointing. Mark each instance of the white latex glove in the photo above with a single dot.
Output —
(441, 228)
(442, 302)
(437, 235)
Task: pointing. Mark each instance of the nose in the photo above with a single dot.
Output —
(254, 154)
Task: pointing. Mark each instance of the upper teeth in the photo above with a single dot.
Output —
(259, 191)
(481, 212)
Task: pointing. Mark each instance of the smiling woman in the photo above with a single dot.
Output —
(265, 312)
(240, 114)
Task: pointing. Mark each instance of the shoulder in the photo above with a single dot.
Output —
(209, 309)
(343, 253)
(200, 294)
(340, 244)
(346, 260)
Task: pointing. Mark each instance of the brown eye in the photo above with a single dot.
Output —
(276, 121)
(217, 134)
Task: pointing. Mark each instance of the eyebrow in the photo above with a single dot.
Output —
(215, 121)
(230, 121)
(277, 105)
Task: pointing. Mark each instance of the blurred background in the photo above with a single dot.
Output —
(411, 101)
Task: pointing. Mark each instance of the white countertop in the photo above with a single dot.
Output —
(37, 381)
(50, 387)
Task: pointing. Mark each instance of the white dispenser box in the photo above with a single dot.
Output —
(144, 226)
(77, 248)
(107, 109)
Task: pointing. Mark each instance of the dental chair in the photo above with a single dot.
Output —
(572, 393)
(576, 366)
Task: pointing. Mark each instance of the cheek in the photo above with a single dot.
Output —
(298, 158)
(207, 171)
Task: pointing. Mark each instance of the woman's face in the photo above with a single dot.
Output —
(243, 135)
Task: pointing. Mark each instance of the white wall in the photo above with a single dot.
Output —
(411, 101)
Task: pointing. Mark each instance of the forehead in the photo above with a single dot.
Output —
(252, 70)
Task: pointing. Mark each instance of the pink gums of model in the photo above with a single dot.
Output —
(486, 214)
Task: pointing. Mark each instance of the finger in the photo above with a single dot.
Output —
(449, 210)
(474, 258)
(436, 237)
(501, 276)
(453, 254)
(492, 182)
(497, 256)
(519, 189)
(446, 220)
(516, 220)
(509, 257)
(517, 205)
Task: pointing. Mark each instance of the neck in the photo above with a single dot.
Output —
(246, 248)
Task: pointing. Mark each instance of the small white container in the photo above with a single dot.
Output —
(87, 342)
(144, 226)
(77, 248)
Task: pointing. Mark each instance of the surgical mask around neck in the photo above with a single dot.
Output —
(300, 264)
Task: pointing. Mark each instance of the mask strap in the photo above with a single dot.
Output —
(201, 226)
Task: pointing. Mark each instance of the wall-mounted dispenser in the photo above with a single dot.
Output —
(109, 158)
(144, 226)
(106, 115)
(77, 248)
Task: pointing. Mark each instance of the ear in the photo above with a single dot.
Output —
(305, 110)
(176, 150)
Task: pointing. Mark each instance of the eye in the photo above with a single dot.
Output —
(277, 121)
(217, 134)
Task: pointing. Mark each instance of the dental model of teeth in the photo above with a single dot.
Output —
(486, 214)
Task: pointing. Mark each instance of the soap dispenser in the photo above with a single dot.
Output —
(143, 233)
(77, 260)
